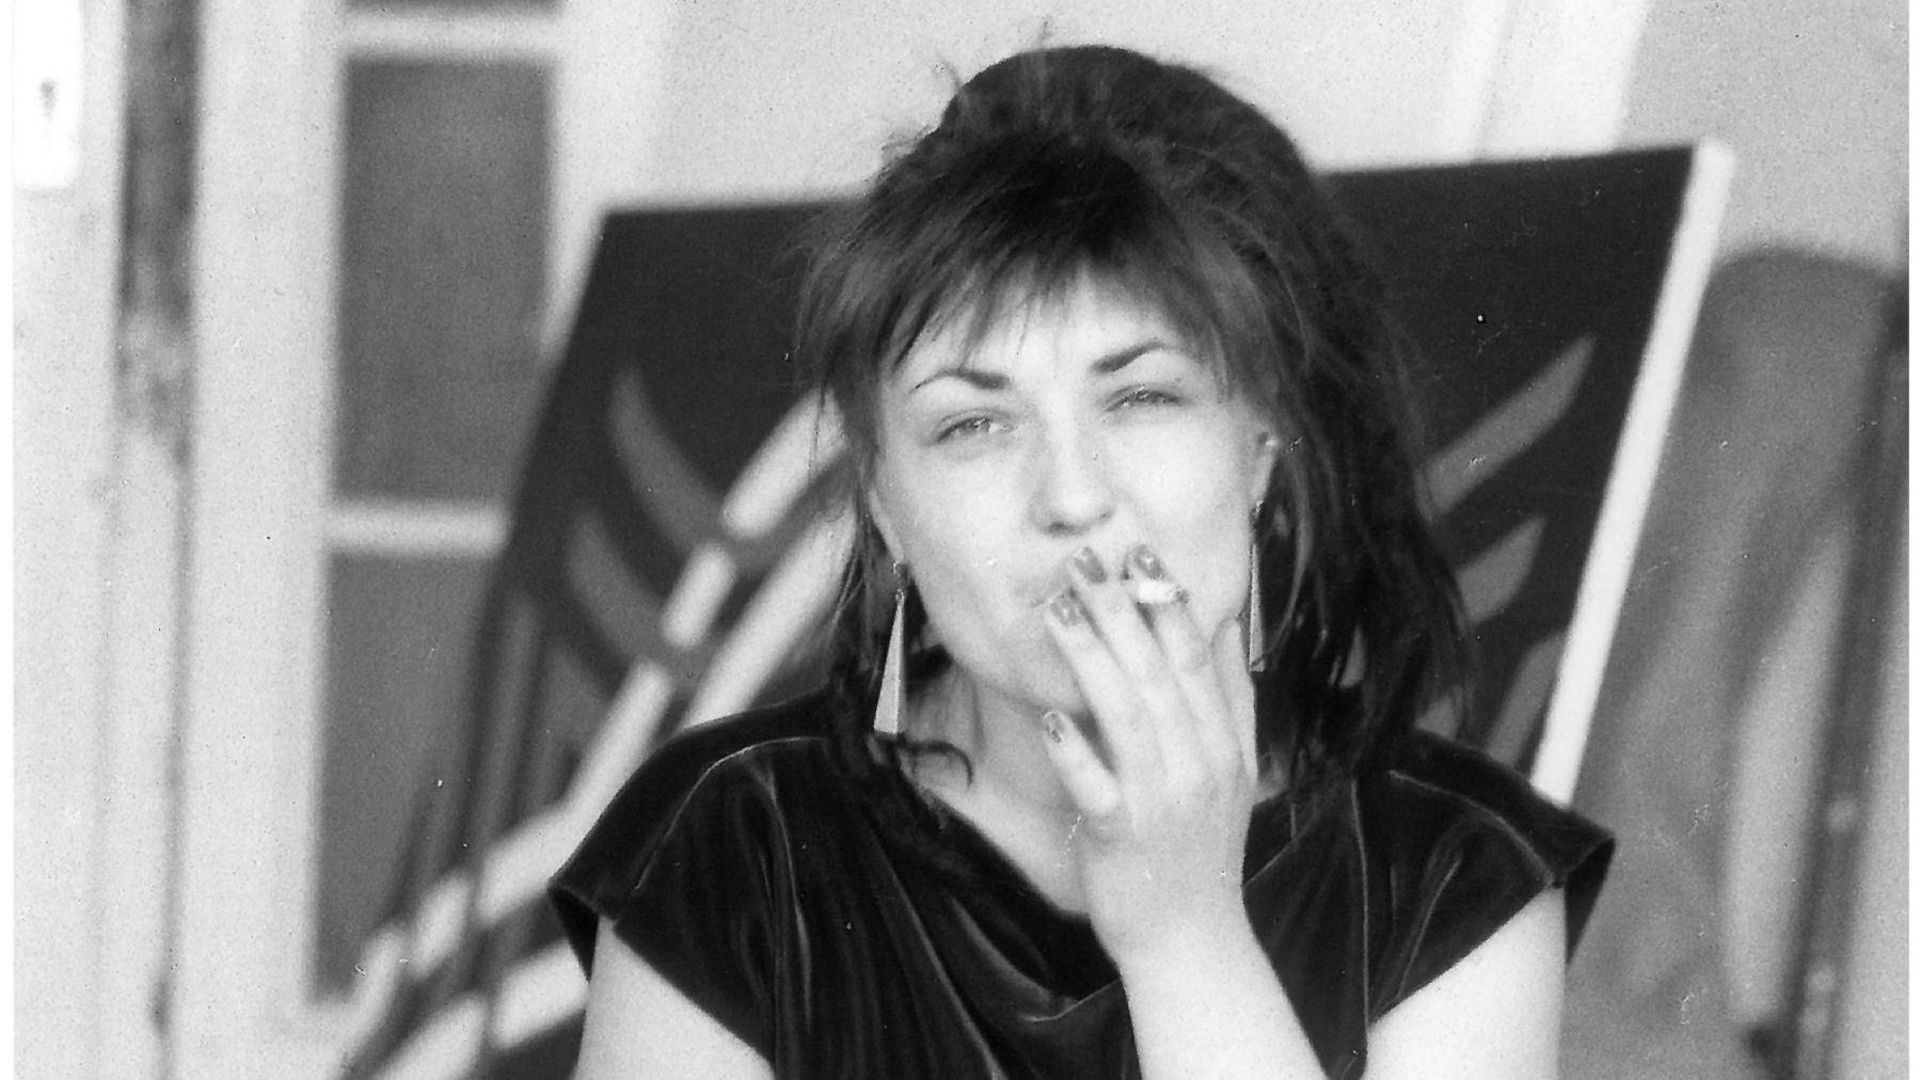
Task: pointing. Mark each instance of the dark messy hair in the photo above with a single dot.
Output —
(1151, 178)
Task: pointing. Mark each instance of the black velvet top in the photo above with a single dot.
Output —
(741, 865)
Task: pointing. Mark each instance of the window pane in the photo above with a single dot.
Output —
(444, 239)
(397, 652)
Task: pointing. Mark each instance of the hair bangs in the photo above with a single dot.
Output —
(1021, 222)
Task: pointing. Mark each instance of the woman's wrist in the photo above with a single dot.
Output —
(1208, 940)
(1206, 1002)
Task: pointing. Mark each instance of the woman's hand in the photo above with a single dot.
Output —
(1164, 774)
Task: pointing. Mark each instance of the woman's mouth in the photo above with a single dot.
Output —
(1046, 587)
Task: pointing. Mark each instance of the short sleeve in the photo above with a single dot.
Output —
(681, 863)
(1458, 844)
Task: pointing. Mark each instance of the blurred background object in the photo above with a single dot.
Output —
(252, 535)
(1751, 744)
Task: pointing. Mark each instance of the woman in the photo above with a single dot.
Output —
(1116, 772)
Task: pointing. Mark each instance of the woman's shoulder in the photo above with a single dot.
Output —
(787, 734)
(728, 777)
(1426, 785)
(721, 758)
(1462, 843)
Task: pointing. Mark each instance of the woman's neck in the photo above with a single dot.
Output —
(1008, 791)
(1004, 745)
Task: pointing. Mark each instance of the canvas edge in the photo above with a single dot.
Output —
(1630, 481)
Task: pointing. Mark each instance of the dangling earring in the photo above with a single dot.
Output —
(1256, 616)
(892, 704)
(1256, 610)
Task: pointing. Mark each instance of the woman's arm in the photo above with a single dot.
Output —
(1215, 1009)
(639, 1024)
(1165, 778)
(1494, 1015)
(1165, 803)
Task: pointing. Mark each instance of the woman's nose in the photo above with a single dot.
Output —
(1072, 489)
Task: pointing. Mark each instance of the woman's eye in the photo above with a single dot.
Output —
(965, 427)
(1145, 396)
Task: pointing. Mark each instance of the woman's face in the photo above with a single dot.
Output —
(1083, 423)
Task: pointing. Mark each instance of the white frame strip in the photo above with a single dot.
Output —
(1616, 537)
(437, 34)
(423, 529)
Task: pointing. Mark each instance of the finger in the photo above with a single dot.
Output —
(1229, 656)
(1163, 714)
(1155, 709)
(1092, 787)
(1107, 689)
(1190, 656)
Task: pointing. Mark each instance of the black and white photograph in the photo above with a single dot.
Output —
(1028, 539)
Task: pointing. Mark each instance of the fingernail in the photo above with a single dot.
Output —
(1065, 608)
(1089, 565)
(1052, 720)
(1147, 562)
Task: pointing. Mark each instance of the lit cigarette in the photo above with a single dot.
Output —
(1156, 592)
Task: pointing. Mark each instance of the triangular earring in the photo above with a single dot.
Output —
(892, 703)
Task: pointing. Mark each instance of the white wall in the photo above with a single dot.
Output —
(781, 97)
(64, 251)
(1812, 97)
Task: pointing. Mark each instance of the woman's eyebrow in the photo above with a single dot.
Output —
(984, 380)
(1119, 358)
(1105, 364)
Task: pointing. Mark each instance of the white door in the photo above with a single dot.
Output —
(391, 219)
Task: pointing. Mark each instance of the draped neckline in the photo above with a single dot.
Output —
(1011, 922)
